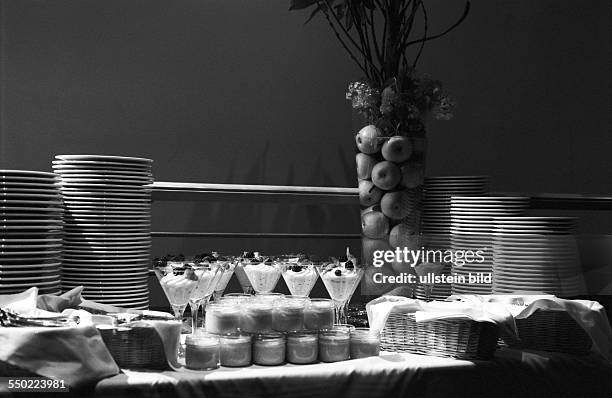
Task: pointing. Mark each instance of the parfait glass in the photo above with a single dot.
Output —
(340, 280)
(300, 276)
(208, 276)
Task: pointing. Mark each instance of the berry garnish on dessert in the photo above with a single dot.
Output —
(338, 272)
(296, 268)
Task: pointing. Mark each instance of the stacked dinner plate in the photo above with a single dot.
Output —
(536, 254)
(107, 227)
(30, 231)
(471, 230)
(437, 217)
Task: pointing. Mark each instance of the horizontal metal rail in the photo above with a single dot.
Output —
(253, 235)
(163, 190)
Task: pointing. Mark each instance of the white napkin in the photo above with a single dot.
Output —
(590, 315)
(379, 309)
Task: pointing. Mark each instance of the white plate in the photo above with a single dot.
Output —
(26, 173)
(6, 256)
(87, 216)
(105, 171)
(104, 158)
(28, 191)
(9, 240)
(107, 271)
(28, 285)
(126, 278)
(32, 278)
(108, 196)
(95, 263)
(92, 164)
(105, 254)
(22, 272)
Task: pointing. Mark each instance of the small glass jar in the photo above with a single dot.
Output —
(288, 315)
(236, 350)
(223, 317)
(319, 314)
(269, 349)
(268, 297)
(202, 352)
(334, 345)
(257, 317)
(303, 347)
(364, 343)
(235, 297)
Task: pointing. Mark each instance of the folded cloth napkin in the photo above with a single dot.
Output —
(590, 315)
(76, 355)
(23, 303)
(379, 309)
(70, 299)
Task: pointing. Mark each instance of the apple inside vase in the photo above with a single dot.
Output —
(390, 172)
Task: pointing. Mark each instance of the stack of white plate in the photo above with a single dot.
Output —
(536, 254)
(107, 239)
(471, 231)
(437, 218)
(30, 231)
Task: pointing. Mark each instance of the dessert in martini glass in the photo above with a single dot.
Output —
(299, 274)
(209, 272)
(263, 275)
(243, 279)
(178, 283)
(341, 277)
(228, 264)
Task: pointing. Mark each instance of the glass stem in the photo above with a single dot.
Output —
(195, 306)
(203, 304)
(339, 314)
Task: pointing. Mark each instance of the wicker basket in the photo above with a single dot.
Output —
(135, 347)
(550, 331)
(454, 338)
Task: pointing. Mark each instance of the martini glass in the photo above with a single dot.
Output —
(208, 275)
(229, 266)
(178, 282)
(340, 280)
(263, 274)
(300, 276)
(243, 279)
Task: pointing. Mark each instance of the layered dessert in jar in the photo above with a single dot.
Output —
(223, 317)
(269, 349)
(257, 316)
(319, 314)
(302, 347)
(288, 314)
(364, 343)
(334, 345)
(236, 350)
(202, 352)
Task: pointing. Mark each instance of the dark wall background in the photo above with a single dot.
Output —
(240, 91)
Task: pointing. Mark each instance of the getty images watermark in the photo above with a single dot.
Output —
(413, 258)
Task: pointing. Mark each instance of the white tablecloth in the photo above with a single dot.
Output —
(511, 374)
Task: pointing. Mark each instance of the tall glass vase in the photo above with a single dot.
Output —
(390, 176)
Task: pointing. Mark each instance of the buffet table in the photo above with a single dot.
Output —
(512, 373)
